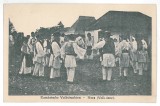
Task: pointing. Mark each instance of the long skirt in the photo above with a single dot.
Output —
(124, 60)
(24, 69)
(142, 56)
(108, 60)
(70, 61)
(133, 56)
(133, 61)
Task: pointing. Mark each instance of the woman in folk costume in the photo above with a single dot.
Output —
(124, 49)
(116, 51)
(133, 54)
(80, 42)
(26, 59)
(38, 58)
(47, 47)
(89, 44)
(69, 51)
(108, 61)
(142, 56)
(55, 60)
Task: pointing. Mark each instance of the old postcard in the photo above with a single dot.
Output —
(80, 53)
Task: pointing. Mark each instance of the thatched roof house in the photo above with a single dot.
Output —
(82, 23)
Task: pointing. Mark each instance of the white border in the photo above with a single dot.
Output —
(83, 1)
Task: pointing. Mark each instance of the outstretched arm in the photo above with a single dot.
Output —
(99, 45)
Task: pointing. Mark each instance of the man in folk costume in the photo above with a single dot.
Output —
(31, 44)
(69, 51)
(26, 59)
(142, 56)
(55, 60)
(133, 54)
(38, 58)
(124, 49)
(89, 44)
(108, 61)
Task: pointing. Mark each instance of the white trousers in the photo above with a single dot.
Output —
(134, 66)
(54, 73)
(24, 69)
(107, 73)
(70, 74)
(123, 71)
(38, 70)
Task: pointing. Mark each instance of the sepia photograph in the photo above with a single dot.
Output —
(82, 52)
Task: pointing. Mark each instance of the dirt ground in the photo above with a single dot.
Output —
(87, 81)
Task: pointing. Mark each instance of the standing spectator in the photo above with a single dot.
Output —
(31, 44)
(46, 46)
(38, 58)
(26, 58)
(89, 44)
(55, 61)
(62, 39)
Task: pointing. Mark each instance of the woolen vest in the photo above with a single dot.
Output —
(69, 50)
(109, 47)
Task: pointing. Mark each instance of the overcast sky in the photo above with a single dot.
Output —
(29, 17)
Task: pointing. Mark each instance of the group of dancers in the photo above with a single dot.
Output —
(36, 54)
(127, 52)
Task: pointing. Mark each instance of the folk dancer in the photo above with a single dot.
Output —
(108, 61)
(26, 59)
(80, 42)
(116, 52)
(142, 56)
(133, 54)
(69, 51)
(124, 48)
(38, 58)
(55, 60)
